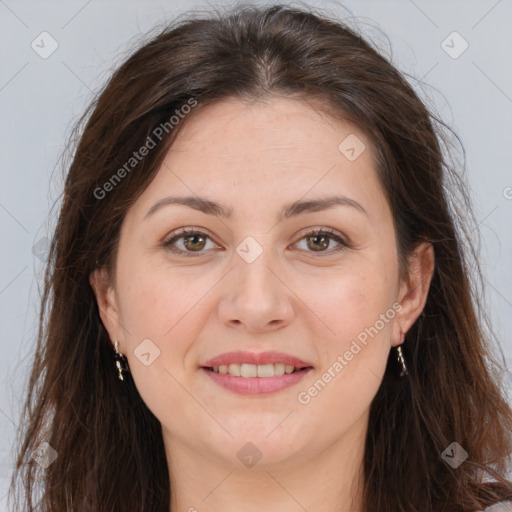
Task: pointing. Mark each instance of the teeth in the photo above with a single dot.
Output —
(254, 370)
(279, 369)
(234, 369)
(248, 370)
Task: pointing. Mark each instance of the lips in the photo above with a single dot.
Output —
(249, 373)
(263, 358)
(256, 385)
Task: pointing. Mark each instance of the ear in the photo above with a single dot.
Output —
(107, 303)
(414, 289)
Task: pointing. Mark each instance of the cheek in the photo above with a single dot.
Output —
(352, 301)
(157, 306)
(156, 302)
(353, 359)
(358, 312)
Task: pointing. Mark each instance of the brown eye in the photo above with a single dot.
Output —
(318, 241)
(192, 242)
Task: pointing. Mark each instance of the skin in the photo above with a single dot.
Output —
(293, 298)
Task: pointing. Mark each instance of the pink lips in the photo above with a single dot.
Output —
(256, 385)
(252, 358)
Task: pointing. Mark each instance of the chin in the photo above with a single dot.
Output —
(261, 445)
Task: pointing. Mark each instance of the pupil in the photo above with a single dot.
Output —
(324, 245)
(193, 237)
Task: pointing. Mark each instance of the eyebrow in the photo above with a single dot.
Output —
(290, 210)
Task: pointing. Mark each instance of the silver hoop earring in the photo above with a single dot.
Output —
(400, 355)
(121, 363)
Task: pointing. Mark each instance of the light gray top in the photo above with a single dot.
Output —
(503, 506)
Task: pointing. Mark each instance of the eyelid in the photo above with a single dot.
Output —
(338, 237)
(182, 232)
(333, 234)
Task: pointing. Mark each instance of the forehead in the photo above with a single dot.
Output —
(258, 153)
(277, 123)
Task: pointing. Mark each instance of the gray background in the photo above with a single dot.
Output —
(40, 99)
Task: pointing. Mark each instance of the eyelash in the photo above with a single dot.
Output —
(167, 244)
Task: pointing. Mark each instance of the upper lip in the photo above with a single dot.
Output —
(240, 357)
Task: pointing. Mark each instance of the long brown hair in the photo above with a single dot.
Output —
(110, 452)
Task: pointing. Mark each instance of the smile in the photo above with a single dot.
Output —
(250, 379)
(247, 370)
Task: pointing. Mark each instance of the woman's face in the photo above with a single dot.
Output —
(252, 281)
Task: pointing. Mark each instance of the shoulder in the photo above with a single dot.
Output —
(502, 506)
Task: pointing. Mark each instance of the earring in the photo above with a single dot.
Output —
(400, 355)
(121, 363)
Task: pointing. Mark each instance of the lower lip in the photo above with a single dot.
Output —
(256, 385)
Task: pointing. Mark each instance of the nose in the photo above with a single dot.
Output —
(255, 295)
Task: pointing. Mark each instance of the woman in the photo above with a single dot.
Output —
(257, 296)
